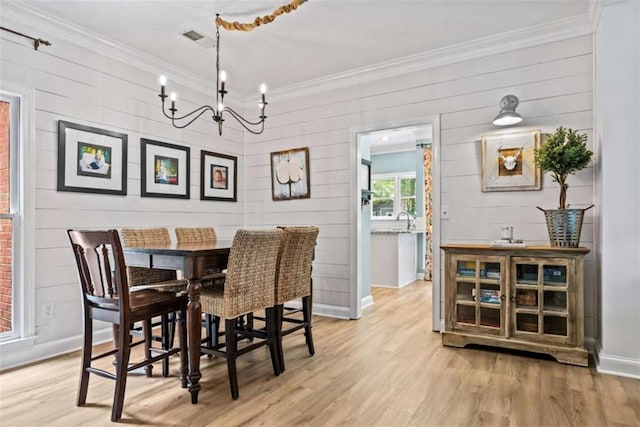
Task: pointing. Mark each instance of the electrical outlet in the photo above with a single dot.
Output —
(48, 312)
(444, 212)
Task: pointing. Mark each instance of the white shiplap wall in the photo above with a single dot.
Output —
(69, 82)
(554, 84)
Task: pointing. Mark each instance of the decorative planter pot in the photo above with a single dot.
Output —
(564, 226)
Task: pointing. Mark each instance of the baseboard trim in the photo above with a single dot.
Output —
(396, 287)
(328, 310)
(366, 302)
(620, 366)
(24, 355)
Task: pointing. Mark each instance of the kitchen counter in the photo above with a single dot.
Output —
(393, 257)
(397, 231)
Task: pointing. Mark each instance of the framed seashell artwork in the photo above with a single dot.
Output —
(290, 174)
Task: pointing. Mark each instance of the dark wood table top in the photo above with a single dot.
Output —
(184, 249)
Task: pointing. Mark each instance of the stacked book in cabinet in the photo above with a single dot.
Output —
(520, 298)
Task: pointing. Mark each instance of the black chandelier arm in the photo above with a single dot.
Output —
(173, 120)
(203, 108)
(242, 122)
(241, 119)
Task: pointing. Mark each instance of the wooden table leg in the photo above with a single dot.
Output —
(194, 332)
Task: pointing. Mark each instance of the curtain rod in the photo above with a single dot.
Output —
(36, 41)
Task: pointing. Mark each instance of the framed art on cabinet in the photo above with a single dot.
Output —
(290, 174)
(91, 160)
(508, 162)
(164, 169)
(218, 177)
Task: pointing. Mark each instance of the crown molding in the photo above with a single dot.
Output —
(536, 35)
(55, 27)
(593, 11)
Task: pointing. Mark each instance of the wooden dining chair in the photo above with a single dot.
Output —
(249, 286)
(293, 280)
(106, 297)
(141, 278)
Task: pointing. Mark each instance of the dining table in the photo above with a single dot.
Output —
(193, 259)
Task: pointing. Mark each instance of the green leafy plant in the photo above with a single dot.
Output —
(563, 153)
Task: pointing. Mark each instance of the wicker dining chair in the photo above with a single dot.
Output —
(212, 276)
(150, 278)
(106, 297)
(293, 280)
(195, 234)
(249, 286)
(141, 278)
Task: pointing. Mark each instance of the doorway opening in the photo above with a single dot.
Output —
(397, 220)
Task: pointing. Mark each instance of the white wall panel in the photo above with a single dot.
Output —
(554, 84)
(73, 84)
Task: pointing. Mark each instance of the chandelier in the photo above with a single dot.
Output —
(217, 112)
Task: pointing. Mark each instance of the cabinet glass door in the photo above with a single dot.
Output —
(540, 289)
(479, 297)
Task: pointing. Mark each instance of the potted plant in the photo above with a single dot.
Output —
(564, 153)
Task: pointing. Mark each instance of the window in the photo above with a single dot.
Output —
(393, 194)
(9, 206)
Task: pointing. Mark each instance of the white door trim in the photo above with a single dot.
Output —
(355, 134)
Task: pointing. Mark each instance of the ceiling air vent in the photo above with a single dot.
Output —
(193, 35)
(199, 38)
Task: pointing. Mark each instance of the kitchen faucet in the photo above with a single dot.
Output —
(409, 216)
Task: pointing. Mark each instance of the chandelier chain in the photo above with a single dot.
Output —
(238, 26)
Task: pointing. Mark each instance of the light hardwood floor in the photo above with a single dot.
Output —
(387, 368)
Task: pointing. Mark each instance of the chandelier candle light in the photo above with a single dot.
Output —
(217, 112)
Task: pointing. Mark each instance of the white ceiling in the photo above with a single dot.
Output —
(321, 38)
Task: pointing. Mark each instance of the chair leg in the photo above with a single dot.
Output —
(208, 325)
(306, 313)
(172, 328)
(216, 335)
(166, 342)
(182, 337)
(231, 347)
(146, 330)
(115, 330)
(86, 361)
(270, 315)
(278, 313)
(250, 325)
(121, 374)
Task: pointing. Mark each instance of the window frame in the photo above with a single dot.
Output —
(14, 210)
(23, 227)
(397, 198)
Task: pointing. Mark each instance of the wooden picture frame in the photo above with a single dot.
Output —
(91, 160)
(218, 177)
(290, 174)
(508, 162)
(164, 170)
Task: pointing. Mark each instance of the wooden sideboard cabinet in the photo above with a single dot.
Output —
(519, 298)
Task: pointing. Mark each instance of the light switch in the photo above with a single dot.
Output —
(444, 212)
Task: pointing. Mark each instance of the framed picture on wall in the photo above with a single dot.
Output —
(290, 174)
(365, 174)
(508, 162)
(164, 169)
(218, 177)
(91, 160)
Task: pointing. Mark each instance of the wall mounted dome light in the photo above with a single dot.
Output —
(508, 115)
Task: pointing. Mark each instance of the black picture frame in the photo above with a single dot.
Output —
(91, 160)
(225, 188)
(165, 170)
(365, 174)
